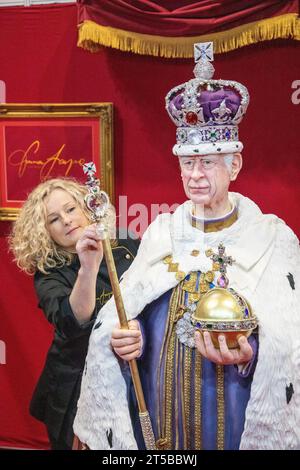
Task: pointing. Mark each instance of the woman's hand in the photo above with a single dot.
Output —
(223, 356)
(89, 249)
(127, 344)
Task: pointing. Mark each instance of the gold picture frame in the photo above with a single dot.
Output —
(40, 141)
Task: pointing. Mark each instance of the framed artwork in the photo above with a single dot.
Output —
(43, 141)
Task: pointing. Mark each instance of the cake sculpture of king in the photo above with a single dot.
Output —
(213, 302)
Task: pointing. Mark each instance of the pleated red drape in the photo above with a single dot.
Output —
(180, 17)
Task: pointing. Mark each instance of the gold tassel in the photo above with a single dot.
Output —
(92, 36)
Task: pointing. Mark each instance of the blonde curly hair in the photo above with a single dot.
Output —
(30, 241)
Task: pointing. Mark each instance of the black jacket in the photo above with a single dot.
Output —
(54, 401)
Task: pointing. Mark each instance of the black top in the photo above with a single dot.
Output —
(54, 401)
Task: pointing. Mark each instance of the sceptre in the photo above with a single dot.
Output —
(97, 202)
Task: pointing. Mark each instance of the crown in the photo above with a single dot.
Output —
(207, 111)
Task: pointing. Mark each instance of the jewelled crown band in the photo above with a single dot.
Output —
(207, 111)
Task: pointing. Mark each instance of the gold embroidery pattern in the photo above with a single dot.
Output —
(171, 339)
(174, 268)
(187, 393)
(198, 398)
(176, 358)
(190, 286)
(220, 407)
(179, 359)
(204, 283)
(104, 296)
(162, 442)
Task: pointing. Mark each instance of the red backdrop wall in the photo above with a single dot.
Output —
(41, 63)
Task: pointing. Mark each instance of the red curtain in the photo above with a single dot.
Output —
(180, 17)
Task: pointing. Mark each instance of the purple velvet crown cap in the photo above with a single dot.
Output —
(210, 101)
(207, 112)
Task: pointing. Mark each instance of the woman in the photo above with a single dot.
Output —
(54, 239)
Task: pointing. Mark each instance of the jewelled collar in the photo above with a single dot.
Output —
(214, 225)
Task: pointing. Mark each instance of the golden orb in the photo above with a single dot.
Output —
(224, 311)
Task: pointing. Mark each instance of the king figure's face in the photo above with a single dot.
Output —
(206, 178)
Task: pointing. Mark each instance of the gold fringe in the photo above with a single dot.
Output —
(92, 36)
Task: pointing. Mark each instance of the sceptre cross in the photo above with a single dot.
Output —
(97, 201)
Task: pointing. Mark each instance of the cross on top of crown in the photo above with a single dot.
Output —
(204, 51)
(204, 55)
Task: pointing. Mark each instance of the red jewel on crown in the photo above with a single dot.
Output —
(191, 117)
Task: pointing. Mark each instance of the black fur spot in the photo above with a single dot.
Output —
(109, 437)
(289, 390)
(219, 150)
(291, 280)
(98, 325)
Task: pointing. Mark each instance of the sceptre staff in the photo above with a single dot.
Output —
(97, 202)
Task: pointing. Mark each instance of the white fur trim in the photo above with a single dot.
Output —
(181, 150)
